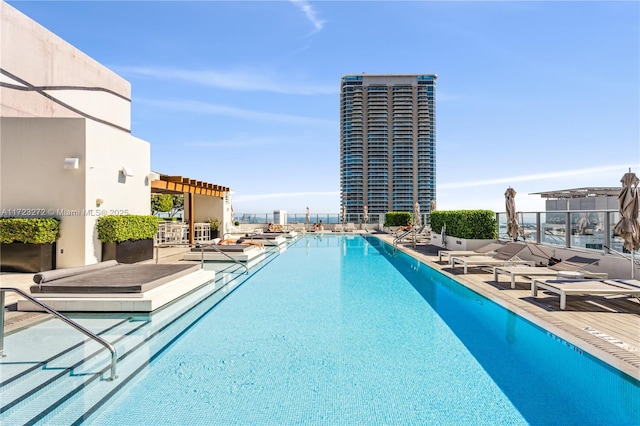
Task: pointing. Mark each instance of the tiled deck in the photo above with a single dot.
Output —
(607, 328)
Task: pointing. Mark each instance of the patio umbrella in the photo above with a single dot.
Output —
(365, 216)
(307, 216)
(513, 229)
(628, 226)
(417, 220)
(344, 214)
(432, 206)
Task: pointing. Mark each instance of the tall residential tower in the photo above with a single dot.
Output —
(387, 143)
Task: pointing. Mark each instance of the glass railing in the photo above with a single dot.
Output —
(586, 229)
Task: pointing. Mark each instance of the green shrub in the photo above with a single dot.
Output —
(471, 224)
(397, 218)
(118, 228)
(33, 230)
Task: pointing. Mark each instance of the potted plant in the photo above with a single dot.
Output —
(127, 238)
(214, 228)
(28, 244)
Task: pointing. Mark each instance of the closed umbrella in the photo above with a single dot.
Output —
(365, 216)
(307, 217)
(417, 220)
(432, 206)
(628, 226)
(344, 214)
(513, 229)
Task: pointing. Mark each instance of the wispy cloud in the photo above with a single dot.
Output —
(237, 79)
(198, 107)
(254, 197)
(236, 142)
(310, 12)
(534, 177)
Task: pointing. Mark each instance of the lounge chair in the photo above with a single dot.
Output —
(566, 288)
(423, 235)
(505, 255)
(488, 248)
(570, 268)
(350, 227)
(338, 228)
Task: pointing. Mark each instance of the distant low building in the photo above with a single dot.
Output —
(581, 199)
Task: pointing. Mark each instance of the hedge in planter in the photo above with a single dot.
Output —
(397, 218)
(28, 244)
(127, 238)
(469, 224)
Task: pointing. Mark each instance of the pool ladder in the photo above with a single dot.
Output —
(86, 332)
(401, 237)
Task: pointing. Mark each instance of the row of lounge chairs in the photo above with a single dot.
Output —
(349, 227)
(567, 277)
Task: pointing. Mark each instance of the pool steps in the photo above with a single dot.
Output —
(60, 376)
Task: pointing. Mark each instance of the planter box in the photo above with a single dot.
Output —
(128, 251)
(458, 244)
(21, 257)
(454, 243)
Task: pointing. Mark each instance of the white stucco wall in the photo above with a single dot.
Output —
(108, 151)
(38, 60)
(206, 207)
(32, 176)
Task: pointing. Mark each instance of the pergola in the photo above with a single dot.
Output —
(183, 185)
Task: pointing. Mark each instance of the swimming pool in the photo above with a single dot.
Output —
(342, 330)
(337, 330)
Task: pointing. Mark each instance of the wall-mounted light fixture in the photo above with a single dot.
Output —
(71, 163)
(99, 202)
(126, 171)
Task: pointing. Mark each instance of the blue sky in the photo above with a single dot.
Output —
(538, 96)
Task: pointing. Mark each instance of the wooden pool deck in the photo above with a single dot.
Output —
(607, 328)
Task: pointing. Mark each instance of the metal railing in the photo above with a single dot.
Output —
(201, 246)
(86, 332)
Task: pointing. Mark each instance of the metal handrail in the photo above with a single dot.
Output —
(402, 236)
(86, 332)
(201, 246)
(259, 237)
(213, 246)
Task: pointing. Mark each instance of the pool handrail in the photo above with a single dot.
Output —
(83, 330)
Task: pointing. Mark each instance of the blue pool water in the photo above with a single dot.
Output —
(340, 330)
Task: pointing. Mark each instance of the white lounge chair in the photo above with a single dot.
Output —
(570, 268)
(505, 255)
(566, 288)
(487, 248)
(350, 227)
(338, 228)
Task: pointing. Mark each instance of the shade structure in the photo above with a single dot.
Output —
(365, 216)
(628, 226)
(307, 217)
(417, 220)
(513, 229)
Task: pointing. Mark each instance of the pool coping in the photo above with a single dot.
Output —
(625, 361)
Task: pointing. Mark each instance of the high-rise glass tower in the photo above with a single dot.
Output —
(387, 143)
